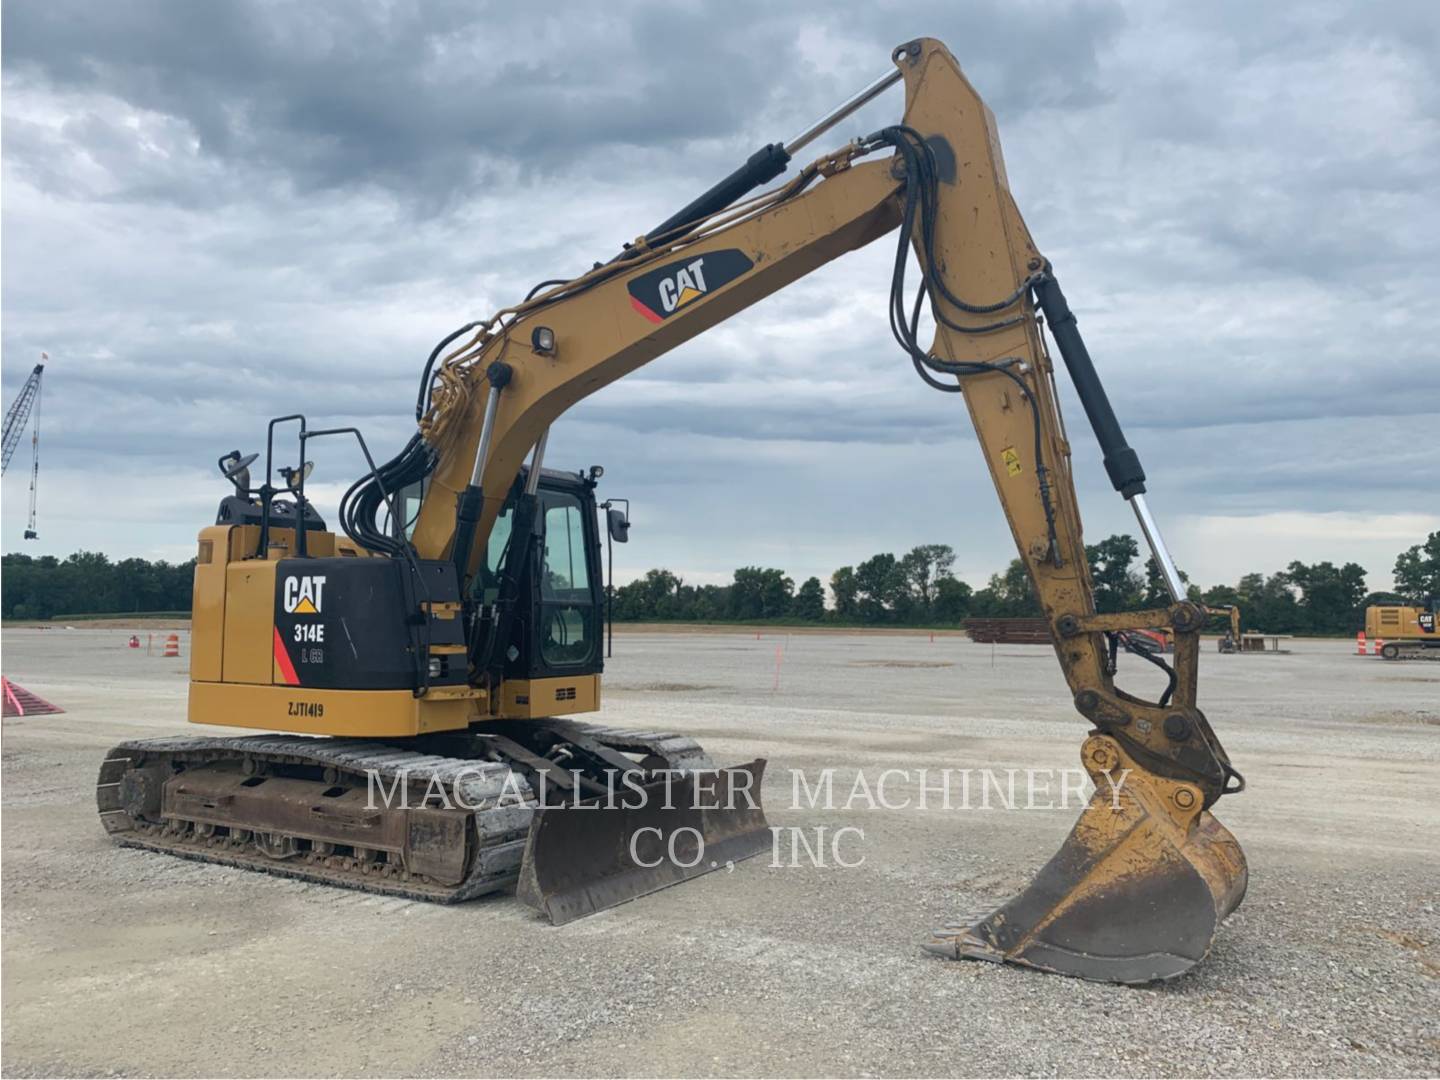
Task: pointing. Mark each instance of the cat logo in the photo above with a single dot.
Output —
(688, 284)
(673, 287)
(304, 595)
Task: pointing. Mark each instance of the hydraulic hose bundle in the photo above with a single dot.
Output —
(922, 179)
(361, 505)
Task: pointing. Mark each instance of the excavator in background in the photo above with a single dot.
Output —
(437, 644)
(1233, 640)
(1408, 632)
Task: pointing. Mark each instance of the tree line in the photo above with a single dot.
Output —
(918, 588)
(42, 587)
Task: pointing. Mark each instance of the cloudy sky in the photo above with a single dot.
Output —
(218, 212)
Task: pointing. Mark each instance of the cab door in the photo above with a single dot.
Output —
(567, 627)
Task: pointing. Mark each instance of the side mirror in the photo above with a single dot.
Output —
(619, 526)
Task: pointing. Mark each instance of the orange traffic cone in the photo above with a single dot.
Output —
(1379, 644)
(1360, 643)
(172, 645)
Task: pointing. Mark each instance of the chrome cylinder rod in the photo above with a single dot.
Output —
(1156, 543)
(537, 462)
(825, 123)
(487, 431)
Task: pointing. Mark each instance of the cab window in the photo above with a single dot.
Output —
(497, 550)
(567, 631)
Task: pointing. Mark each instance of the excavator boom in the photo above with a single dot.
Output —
(1139, 887)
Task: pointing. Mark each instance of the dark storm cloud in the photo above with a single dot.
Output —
(341, 93)
(421, 98)
(215, 212)
(415, 98)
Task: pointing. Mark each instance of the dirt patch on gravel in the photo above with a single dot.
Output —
(1403, 717)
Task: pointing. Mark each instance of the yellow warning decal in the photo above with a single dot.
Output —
(1011, 460)
(305, 607)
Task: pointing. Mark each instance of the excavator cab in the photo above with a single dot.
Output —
(556, 625)
(558, 631)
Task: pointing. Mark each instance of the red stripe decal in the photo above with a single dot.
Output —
(643, 310)
(282, 661)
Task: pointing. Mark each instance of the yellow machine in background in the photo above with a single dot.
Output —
(1408, 632)
(1233, 640)
(441, 650)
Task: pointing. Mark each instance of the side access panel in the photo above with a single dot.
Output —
(207, 615)
(249, 622)
(532, 699)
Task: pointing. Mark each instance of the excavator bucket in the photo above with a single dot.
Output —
(1135, 893)
(584, 857)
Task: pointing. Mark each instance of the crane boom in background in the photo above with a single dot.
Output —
(20, 410)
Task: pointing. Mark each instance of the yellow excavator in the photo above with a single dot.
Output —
(423, 661)
(1232, 641)
(1405, 632)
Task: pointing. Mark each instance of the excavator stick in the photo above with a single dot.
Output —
(1135, 893)
(587, 856)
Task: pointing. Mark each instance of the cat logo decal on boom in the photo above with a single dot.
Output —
(670, 288)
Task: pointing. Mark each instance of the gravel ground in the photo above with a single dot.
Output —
(123, 962)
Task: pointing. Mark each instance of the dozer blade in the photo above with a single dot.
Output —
(1134, 894)
(586, 857)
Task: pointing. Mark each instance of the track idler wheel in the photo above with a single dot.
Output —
(1135, 893)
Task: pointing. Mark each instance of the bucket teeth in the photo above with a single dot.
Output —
(1134, 895)
(957, 942)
